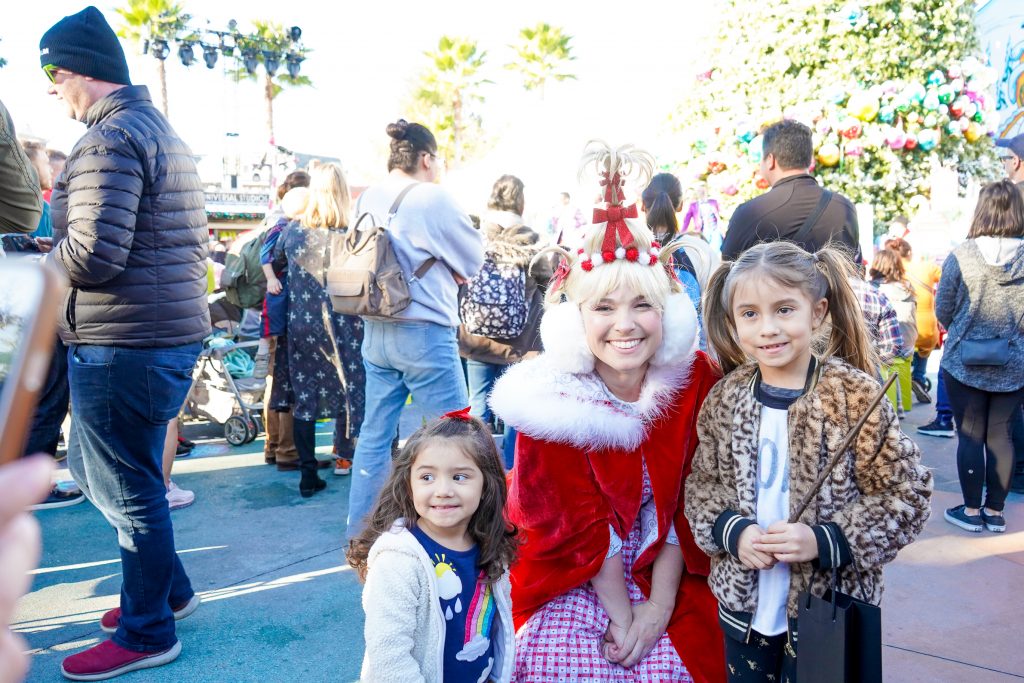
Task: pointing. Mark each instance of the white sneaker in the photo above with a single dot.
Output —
(179, 498)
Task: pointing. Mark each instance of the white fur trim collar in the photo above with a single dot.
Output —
(543, 401)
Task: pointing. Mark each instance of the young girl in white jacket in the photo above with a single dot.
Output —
(435, 557)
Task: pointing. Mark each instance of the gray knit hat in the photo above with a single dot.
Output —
(85, 44)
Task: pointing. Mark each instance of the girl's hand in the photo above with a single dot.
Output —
(649, 624)
(273, 285)
(789, 542)
(750, 555)
(615, 641)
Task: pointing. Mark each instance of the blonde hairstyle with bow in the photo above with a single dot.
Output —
(580, 283)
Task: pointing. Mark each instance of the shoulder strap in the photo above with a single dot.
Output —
(809, 224)
(398, 200)
(426, 265)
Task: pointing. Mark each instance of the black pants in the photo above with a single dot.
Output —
(984, 456)
(44, 434)
(763, 659)
(304, 433)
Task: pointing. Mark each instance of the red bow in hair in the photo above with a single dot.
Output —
(616, 217)
(561, 273)
(459, 415)
(611, 185)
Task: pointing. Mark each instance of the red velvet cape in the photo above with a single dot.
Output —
(563, 499)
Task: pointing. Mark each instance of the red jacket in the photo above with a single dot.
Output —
(564, 496)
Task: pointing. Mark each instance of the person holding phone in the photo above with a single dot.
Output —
(130, 235)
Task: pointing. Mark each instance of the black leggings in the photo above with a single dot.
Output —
(984, 456)
(763, 659)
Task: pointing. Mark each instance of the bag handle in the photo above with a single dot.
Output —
(825, 473)
(812, 220)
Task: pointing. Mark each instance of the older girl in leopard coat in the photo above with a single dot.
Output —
(766, 431)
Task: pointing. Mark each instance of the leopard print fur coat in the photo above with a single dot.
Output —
(878, 496)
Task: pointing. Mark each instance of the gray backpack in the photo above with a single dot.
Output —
(364, 277)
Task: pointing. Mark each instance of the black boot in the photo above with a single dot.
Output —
(304, 433)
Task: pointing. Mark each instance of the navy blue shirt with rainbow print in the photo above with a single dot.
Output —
(469, 611)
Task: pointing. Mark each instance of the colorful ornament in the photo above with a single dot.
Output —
(854, 149)
(931, 121)
(761, 182)
(974, 132)
(911, 142)
(828, 155)
(886, 114)
(936, 78)
(946, 94)
(931, 101)
(862, 105)
(928, 139)
(850, 128)
(895, 138)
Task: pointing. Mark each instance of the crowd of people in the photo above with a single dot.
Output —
(668, 392)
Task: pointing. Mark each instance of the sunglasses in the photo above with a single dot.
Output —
(51, 71)
(1006, 158)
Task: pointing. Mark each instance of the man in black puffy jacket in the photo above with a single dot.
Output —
(130, 233)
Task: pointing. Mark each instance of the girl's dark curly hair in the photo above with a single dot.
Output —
(495, 536)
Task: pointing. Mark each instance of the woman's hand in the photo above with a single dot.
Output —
(273, 285)
(649, 623)
(750, 555)
(615, 640)
(788, 542)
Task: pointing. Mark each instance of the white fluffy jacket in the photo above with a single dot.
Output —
(405, 628)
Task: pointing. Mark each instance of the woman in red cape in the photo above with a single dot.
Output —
(609, 584)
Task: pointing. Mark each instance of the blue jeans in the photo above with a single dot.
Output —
(123, 399)
(400, 358)
(482, 377)
(919, 367)
(943, 411)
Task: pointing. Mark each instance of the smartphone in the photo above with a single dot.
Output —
(30, 297)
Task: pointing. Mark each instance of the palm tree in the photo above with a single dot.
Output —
(447, 88)
(273, 46)
(154, 23)
(543, 53)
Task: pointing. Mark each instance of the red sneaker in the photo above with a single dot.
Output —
(108, 659)
(108, 623)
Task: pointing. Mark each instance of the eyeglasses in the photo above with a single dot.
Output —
(51, 71)
(1007, 158)
(436, 157)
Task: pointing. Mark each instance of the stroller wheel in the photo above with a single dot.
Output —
(253, 430)
(236, 431)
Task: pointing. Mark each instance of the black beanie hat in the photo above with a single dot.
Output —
(85, 44)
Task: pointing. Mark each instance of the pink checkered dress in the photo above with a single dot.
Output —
(562, 641)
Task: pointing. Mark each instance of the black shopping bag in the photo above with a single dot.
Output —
(839, 638)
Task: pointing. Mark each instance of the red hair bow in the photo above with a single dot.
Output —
(616, 217)
(459, 415)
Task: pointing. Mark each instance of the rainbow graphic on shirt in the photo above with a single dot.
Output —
(479, 620)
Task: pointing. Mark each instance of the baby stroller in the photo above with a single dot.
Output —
(218, 396)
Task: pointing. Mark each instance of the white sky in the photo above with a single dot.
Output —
(632, 63)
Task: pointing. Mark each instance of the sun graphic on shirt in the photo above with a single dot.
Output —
(448, 583)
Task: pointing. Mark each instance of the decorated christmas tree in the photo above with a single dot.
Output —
(889, 87)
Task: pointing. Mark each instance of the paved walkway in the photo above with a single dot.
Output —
(280, 603)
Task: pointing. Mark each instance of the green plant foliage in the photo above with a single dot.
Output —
(890, 88)
(542, 54)
(446, 92)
